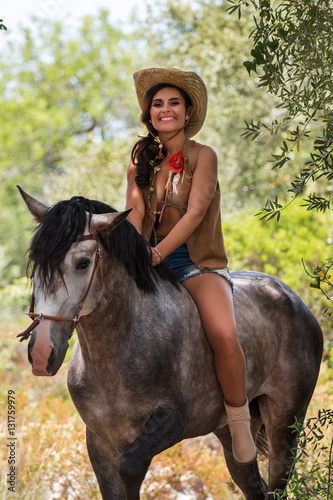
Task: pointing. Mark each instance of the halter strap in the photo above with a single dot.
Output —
(39, 317)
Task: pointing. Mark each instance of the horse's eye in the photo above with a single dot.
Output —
(83, 264)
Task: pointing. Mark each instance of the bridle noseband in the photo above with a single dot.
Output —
(39, 317)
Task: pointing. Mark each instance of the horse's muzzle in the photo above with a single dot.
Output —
(41, 349)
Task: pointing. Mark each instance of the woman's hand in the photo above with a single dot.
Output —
(156, 256)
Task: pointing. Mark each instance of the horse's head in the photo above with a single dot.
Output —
(66, 273)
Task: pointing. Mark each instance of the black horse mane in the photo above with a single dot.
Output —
(63, 223)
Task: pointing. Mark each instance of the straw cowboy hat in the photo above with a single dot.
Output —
(189, 81)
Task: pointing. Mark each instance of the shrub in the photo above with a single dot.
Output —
(311, 476)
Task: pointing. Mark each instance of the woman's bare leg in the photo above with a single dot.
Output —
(213, 297)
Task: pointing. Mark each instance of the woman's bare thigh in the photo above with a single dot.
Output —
(213, 297)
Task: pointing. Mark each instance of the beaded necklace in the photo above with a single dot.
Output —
(176, 167)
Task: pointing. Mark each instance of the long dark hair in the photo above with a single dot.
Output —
(63, 223)
(146, 148)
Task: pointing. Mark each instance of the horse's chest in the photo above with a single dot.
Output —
(103, 410)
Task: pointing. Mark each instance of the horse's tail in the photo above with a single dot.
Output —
(262, 443)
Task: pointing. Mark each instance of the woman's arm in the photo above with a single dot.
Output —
(202, 191)
(134, 199)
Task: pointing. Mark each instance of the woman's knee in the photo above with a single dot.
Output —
(223, 340)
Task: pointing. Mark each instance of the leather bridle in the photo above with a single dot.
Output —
(39, 317)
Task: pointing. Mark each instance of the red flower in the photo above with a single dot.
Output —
(176, 162)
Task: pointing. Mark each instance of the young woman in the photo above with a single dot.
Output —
(174, 194)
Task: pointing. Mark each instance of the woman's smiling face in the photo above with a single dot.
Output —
(167, 111)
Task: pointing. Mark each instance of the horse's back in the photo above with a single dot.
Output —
(262, 295)
(280, 336)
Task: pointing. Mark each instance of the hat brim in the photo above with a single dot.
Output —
(189, 81)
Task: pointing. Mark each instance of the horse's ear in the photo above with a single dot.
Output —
(105, 222)
(36, 208)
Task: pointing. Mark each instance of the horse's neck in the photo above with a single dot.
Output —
(102, 330)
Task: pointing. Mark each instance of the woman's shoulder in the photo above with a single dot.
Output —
(131, 170)
(207, 152)
(198, 153)
(198, 147)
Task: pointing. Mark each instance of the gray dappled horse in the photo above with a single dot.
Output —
(141, 373)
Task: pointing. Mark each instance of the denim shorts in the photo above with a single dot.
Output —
(182, 266)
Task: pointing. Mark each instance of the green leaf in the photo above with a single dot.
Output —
(249, 66)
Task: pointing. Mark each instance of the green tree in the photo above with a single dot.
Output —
(2, 26)
(292, 54)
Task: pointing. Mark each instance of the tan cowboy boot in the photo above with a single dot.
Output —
(243, 447)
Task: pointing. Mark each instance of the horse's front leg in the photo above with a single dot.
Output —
(164, 428)
(106, 468)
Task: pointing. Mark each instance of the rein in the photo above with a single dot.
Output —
(39, 317)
